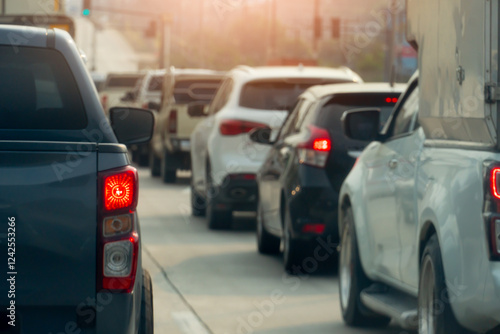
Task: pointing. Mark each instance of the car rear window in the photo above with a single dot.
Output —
(332, 111)
(156, 83)
(276, 94)
(38, 91)
(122, 81)
(187, 91)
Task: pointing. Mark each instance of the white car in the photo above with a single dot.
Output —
(420, 227)
(224, 160)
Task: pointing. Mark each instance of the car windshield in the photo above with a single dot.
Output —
(275, 94)
(38, 91)
(187, 91)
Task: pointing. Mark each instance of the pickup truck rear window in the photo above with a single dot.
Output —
(38, 91)
(276, 94)
(156, 83)
(123, 81)
(187, 91)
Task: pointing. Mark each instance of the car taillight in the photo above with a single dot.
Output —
(315, 150)
(118, 241)
(104, 101)
(172, 122)
(233, 127)
(145, 106)
(314, 228)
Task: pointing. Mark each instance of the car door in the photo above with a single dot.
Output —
(199, 137)
(384, 170)
(270, 187)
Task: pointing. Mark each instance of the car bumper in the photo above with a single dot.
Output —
(237, 192)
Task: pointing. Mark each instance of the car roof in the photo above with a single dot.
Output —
(320, 91)
(37, 36)
(194, 71)
(247, 73)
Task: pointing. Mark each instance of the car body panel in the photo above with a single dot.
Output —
(437, 187)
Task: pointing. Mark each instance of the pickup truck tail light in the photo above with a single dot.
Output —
(104, 102)
(118, 241)
(316, 149)
(233, 127)
(172, 122)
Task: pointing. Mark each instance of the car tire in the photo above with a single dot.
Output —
(353, 280)
(293, 250)
(146, 325)
(218, 219)
(198, 203)
(154, 164)
(435, 315)
(143, 160)
(168, 175)
(266, 242)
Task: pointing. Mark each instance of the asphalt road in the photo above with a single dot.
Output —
(216, 282)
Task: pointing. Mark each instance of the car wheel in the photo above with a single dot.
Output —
(146, 325)
(435, 315)
(154, 164)
(293, 250)
(168, 175)
(143, 159)
(218, 219)
(198, 203)
(353, 280)
(266, 242)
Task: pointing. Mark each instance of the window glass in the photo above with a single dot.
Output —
(279, 94)
(38, 91)
(195, 90)
(222, 96)
(406, 116)
(156, 83)
(123, 81)
(291, 122)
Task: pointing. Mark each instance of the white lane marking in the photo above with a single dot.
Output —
(188, 323)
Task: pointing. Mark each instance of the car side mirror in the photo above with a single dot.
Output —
(197, 110)
(261, 135)
(361, 124)
(132, 125)
(153, 106)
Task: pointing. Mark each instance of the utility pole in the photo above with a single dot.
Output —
(390, 70)
(274, 20)
(201, 45)
(317, 27)
(165, 26)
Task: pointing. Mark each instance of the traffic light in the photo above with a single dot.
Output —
(150, 30)
(318, 27)
(86, 7)
(335, 28)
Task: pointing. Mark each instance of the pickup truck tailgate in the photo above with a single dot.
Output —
(50, 190)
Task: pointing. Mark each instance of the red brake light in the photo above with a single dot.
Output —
(172, 121)
(324, 145)
(233, 127)
(314, 228)
(495, 173)
(119, 190)
(391, 100)
(118, 242)
(394, 100)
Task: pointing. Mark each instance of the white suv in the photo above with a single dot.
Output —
(224, 160)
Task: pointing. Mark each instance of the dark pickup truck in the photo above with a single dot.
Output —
(70, 245)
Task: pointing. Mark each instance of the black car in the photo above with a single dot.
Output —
(301, 177)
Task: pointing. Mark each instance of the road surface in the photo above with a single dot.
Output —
(216, 282)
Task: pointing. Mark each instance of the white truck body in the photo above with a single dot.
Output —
(457, 43)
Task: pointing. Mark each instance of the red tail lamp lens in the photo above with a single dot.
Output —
(495, 174)
(119, 190)
(233, 127)
(314, 228)
(322, 145)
